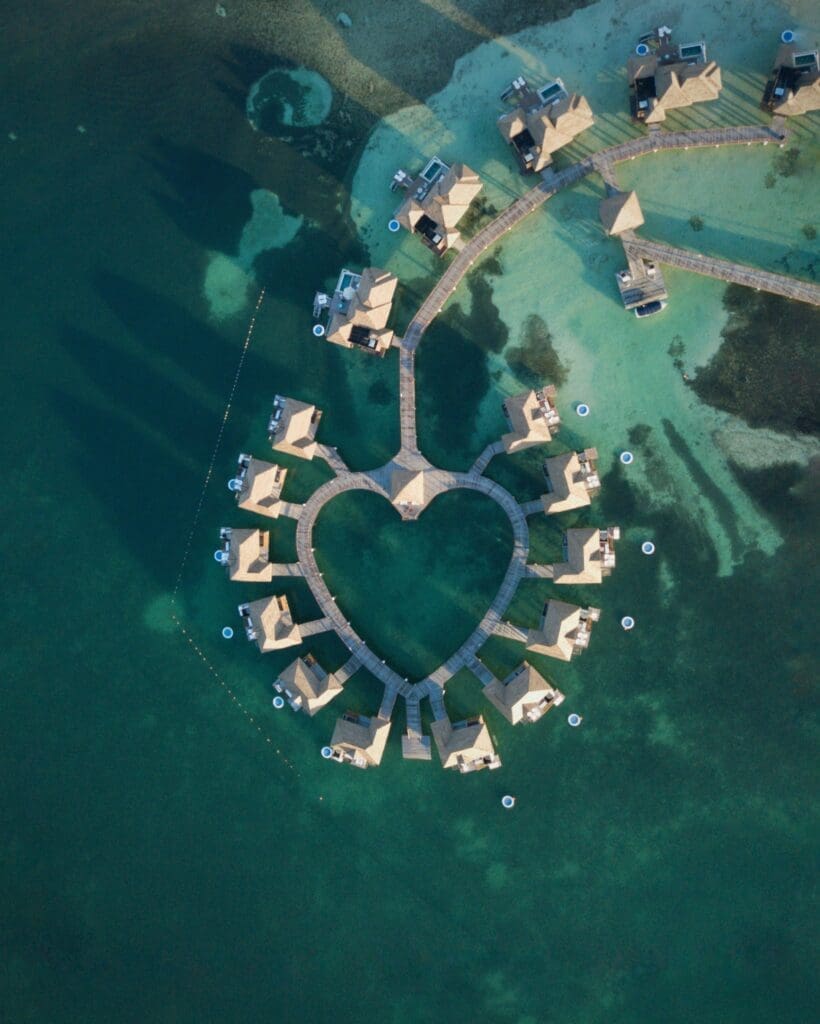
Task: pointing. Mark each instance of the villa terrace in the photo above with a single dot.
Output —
(435, 201)
(589, 555)
(359, 309)
(664, 76)
(258, 486)
(306, 686)
(246, 555)
(533, 418)
(292, 427)
(564, 631)
(543, 122)
(572, 481)
(359, 740)
(465, 745)
(270, 624)
(524, 696)
(794, 87)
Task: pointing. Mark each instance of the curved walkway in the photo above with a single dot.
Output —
(437, 481)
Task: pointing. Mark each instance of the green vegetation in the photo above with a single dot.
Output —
(810, 231)
(770, 180)
(535, 360)
(767, 369)
(785, 163)
(696, 222)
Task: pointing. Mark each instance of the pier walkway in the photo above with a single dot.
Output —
(554, 182)
(725, 270)
(438, 481)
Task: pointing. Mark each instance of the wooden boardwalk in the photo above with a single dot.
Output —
(556, 181)
(724, 270)
(437, 481)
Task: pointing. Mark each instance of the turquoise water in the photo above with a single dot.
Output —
(175, 849)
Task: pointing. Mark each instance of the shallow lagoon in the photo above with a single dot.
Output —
(175, 848)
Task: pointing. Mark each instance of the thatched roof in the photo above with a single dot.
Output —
(297, 429)
(620, 212)
(273, 624)
(551, 127)
(445, 203)
(369, 307)
(310, 682)
(262, 488)
(804, 95)
(569, 489)
(407, 487)
(248, 556)
(584, 562)
(529, 425)
(364, 740)
(522, 689)
(555, 637)
(463, 747)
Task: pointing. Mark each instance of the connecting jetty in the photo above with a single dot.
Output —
(410, 482)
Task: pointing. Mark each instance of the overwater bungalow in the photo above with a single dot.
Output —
(543, 121)
(794, 86)
(359, 309)
(524, 696)
(270, 623)
(435, 201)
(589, 555)
(564, 631)
(533, 418)
(620, 212)
(258, 486)
(246, 555)
(359, 740)
(306, 686)
(665, 76)
(407, 492)
(572, 481)
(465, 745)
(292, 427)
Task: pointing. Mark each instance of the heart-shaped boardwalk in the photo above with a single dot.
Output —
(410, 482)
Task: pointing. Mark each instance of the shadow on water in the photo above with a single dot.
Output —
(453, 373)
(169, 331)
(208, 199)
(136, 479)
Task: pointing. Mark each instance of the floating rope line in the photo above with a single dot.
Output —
(195, 649)
(210, 473)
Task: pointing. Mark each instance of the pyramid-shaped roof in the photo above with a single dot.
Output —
(621, 212)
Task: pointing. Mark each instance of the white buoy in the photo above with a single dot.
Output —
(227, 632)
(648, 548)
(393, 225)
(278, 702)
(582, 409)
(235, 484)
(787, 36)
(318, 331)
(627, 622)
(642, 49)
(220, 556)
(327, 752)
(508, 802)
(574, 720)
(627, 458)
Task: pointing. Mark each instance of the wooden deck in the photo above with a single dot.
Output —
(437, 481)
(725, 270)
